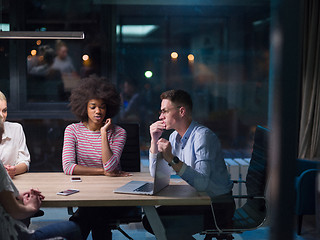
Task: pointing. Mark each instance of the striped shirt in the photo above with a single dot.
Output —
(82, 146)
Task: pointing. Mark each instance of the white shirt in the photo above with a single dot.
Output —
(9, 225)
(13, 148)
(63, 65)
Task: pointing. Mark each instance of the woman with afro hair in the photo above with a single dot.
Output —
(94, 146)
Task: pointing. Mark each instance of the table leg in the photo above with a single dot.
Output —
(155, 222)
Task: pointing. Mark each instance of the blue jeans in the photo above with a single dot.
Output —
(67, 229)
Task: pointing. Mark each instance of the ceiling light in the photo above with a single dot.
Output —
(135, 30)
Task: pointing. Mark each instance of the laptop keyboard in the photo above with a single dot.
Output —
(147, 187)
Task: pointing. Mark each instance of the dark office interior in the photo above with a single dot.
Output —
(245, 63)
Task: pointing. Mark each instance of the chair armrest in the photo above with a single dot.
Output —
(239, 181)
(249, 196)
(305, 191)
(303, 176)
(304, 164)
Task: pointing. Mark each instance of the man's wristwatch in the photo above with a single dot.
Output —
(174, 161)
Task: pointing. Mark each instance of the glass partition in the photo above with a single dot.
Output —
(53, 68)
(5, 51)
(5, 68)
(218, 52)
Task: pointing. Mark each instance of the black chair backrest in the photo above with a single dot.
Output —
(253, 212)
(256, 176)
(130, 158)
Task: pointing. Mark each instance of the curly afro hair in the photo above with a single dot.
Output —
(94, 88)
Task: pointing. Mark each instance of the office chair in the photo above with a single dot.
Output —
(27, 221)
(130, 158)
(130, 162)
(307, 171)
(253, 213)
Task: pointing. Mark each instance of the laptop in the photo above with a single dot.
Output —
(160, 181)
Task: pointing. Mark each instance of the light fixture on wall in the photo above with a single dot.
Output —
(40, 35)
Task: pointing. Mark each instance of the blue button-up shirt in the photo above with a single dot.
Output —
(204, 167)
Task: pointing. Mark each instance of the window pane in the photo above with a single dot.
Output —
(52, 70)
(5, 50)
(4, 72)
(58, 65)
(218, 54)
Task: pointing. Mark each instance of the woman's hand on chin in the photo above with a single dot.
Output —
(107, 125)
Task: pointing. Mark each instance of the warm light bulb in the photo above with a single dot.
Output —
(33, 52)
(191, 57)
(85, 57)
(174, 55)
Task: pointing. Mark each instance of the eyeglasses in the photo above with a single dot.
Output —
(165, 111)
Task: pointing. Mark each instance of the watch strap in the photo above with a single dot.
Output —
(174, 161)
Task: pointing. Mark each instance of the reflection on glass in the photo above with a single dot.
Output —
(219, 55)
(85, 57)
(4, 73)
(174, 55)
(148, 74)
(51, 73)
(221, 59)
(135, 30)
(191, 57)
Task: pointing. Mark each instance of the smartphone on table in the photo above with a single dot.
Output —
(68, 192)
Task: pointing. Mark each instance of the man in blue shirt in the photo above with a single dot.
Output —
(194, 152)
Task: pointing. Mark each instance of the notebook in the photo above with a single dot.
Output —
(160, 181)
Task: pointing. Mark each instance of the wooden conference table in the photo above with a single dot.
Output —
(98, 191)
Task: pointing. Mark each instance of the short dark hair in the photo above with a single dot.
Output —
(48, 56)
(178, 97)
(94, 88)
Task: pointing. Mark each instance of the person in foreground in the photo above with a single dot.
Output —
(194, 152)
(15, 207)
(14, 153)
(94, 147)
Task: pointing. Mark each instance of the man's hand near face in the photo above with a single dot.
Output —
(156, 130)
